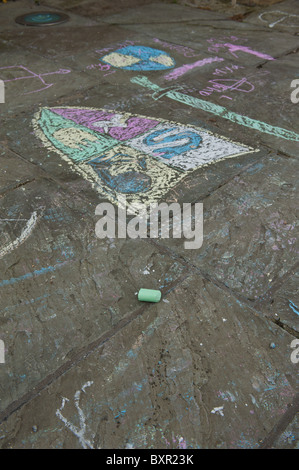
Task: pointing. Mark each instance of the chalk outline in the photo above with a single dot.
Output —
(26, 232)
(89, 174)
(78, 432)
(287, 15)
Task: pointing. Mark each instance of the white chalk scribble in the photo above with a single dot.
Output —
(26, 232)
(79, 432)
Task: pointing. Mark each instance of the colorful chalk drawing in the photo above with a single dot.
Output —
(216, 109)
(139, 58)
(23, 73)
(126, 154)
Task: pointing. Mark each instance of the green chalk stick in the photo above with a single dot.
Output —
(149, 295)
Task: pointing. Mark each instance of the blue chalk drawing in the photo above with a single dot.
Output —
(139, 58)
(293, 307)
(128, 182)
(194, 141)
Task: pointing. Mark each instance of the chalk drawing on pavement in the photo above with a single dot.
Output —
(139, 58)
(221, 111)
(26, 232)
(20, 72)
(121, 153)
(274, 17)
(78, 431)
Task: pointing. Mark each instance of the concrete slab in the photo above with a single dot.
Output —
(281, 304)
(30, 79)
(160, 13)
(195, 372)
(61, 44)
(9, 11)
(249, 234)
(281, 17)
(61, 291)
(15, 171)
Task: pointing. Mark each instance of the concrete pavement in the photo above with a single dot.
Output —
(91, 106)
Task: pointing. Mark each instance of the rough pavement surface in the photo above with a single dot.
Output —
(208, 114)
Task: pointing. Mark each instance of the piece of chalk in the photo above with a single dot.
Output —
(149, 295)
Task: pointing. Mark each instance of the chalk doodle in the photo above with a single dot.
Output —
(121, 153)
(216, 109)
(26, 232)
(178, 72)
(274, 17)
(294, 307)
(139, 58)
(227, 69)
(80, 431)
(233, 48)
(220, 84)
(23, 73)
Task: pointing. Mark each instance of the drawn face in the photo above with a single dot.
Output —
(122, 153)
(139, 58)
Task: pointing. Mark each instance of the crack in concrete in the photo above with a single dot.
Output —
(81, 354)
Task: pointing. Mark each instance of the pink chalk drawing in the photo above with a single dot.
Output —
(102, 68)
(233, 48)
(31, 75)
(179, 71)
(221, 85)
(227, 69)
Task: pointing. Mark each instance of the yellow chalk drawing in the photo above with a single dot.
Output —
(72, 137)
(163, 60)
(121, 60)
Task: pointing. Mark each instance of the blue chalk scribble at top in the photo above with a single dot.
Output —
(149, 58)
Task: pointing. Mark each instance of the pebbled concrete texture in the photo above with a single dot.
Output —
(214, 364)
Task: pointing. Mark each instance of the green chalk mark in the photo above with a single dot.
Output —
(78, 142)
(216, 109)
